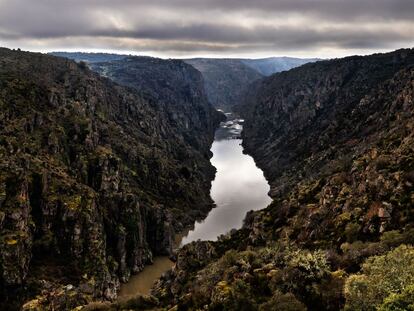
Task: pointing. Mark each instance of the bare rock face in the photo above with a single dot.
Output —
(94, 177)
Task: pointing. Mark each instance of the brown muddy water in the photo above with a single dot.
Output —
(142, 282)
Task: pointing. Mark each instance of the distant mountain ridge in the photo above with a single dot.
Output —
(225, 79)
(271, 65)
(89, 57)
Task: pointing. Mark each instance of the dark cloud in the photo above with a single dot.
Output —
(230, 26)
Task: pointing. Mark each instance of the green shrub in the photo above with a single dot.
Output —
(282, 302)
(399, 302)
(313, 265)
(392, 238)
(381, 276)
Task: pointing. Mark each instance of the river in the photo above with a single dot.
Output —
(239, 186)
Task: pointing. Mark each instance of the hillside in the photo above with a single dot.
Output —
(271, 65)
(176, 87)
(335, 139)
(224, 80)
(95, 178)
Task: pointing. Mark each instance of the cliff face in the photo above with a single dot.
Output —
(94, 178)
(176, 87)
(300, 120)
(335, 139)
(224, 79)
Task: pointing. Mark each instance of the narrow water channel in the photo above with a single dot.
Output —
(239, 186)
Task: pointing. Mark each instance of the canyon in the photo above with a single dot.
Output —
(106, 159)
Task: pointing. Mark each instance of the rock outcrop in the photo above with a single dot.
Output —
(94, 178)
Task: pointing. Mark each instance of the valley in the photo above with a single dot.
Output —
(104, 162)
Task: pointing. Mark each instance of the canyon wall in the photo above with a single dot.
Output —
(95, 178)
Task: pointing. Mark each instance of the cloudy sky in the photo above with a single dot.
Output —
(218, 28)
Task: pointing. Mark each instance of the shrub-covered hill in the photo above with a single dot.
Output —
(94, 178)
(336, 141)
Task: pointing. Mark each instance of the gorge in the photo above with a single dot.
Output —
(103, 162)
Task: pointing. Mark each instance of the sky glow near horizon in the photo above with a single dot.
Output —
(209, 28)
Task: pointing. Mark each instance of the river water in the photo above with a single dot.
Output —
(239, 186)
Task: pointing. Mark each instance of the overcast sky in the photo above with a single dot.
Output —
(217, 28)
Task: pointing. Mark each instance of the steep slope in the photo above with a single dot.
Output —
(224, 79)
(176, 87)
(93, 179)
(335, 140)
(297, 121)
(271, 65)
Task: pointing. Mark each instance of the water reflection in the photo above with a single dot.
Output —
(239, 186)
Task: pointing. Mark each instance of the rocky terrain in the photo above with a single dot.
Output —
(95, 178)
(176, 87)
(226, 80)
(335, 139)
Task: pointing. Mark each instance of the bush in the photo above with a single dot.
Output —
(399, 302)
(282, 302)
(313, 265)
(381, 277)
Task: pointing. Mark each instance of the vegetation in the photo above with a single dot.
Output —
(339, 231)
(90, 182)
(91, 187)
(389, 277)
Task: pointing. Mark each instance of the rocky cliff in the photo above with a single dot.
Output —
(226, 80)
(298, 121)
(176, 87)
(94, 178)
(335, 139)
